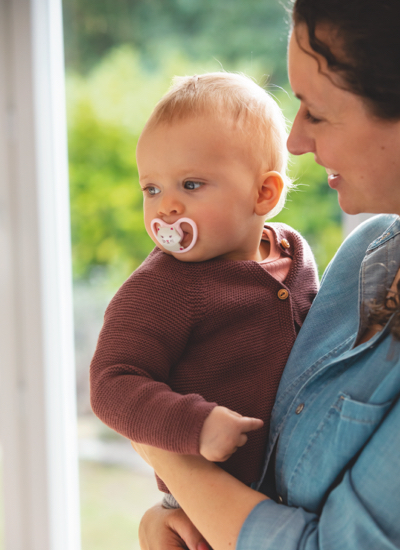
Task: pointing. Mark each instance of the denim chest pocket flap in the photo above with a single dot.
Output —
(343, 432)
(356, 425)
(365, 413)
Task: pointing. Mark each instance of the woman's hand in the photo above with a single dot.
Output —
(164, 529)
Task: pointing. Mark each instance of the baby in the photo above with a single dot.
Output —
(195, 341)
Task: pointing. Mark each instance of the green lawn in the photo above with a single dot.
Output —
(113, 500)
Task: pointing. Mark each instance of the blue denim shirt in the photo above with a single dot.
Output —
(336, 420)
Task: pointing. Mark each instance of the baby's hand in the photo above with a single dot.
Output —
(223, 432)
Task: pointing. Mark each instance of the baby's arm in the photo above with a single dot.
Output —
(223, 432)
(145, 333)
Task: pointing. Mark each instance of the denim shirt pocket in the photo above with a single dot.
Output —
(342, 433)
(357, 423)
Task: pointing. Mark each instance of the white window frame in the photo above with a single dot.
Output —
(37, 377)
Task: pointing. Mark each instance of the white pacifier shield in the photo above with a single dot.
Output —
(170, 235)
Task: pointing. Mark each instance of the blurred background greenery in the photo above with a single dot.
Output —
(120, 59)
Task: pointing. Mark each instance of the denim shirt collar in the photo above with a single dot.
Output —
(378, 270)
(390, 232)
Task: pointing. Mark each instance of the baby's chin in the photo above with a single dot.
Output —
(195, 255)
(191, 256)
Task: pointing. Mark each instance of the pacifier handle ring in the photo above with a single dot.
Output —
(177, 227)
(195, 233)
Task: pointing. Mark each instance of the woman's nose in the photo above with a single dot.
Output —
(299, 142)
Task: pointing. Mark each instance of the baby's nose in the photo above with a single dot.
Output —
(171, 206)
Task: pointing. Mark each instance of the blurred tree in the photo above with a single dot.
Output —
(227, 30)
(106, 200)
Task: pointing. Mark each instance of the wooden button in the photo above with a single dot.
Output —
(285, 243)
(299, 408)
(283, 294)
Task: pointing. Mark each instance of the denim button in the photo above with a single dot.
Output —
(300, 408)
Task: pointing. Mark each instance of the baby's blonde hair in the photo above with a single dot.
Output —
(248, 105)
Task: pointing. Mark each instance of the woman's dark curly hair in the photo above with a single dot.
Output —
(369, 36)
(369, 66)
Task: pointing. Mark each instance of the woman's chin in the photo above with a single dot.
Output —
(352, 209)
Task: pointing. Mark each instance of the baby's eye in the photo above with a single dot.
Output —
(151, 190)
(192, 184)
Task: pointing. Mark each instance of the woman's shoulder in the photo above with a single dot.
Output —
(354, 248)
(372, 229)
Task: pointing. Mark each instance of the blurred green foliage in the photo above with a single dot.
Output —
(113, 501)
(229, 30)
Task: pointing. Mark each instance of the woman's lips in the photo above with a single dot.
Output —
(333, 178)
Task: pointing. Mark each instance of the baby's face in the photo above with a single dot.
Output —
(201, 168)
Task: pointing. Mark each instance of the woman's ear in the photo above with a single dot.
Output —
(269, 192)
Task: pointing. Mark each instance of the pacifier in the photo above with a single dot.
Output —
(170, 235)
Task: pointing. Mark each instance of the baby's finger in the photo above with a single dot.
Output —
(248, 424)
(242, 440)
(228, 455)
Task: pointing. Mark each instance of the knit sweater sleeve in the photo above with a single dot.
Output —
(146, 328)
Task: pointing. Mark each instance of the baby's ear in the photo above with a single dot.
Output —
(269, 192)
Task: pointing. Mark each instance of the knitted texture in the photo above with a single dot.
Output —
(181, 337)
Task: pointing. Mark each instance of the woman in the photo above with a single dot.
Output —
(333, 457)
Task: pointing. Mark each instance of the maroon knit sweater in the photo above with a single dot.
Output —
(179, 338)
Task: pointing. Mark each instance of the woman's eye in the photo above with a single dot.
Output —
(151, 190)
(308, 116)
(192, 184)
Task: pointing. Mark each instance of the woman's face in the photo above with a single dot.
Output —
(360, 152)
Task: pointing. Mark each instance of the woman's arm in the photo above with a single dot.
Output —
(214, 501)
(361, 511)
